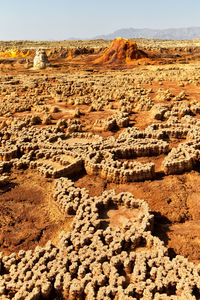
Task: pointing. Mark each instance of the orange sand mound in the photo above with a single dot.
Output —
(121, 51)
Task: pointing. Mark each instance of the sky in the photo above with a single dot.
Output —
(62, 19)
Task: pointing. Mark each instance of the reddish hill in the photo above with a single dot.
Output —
(121, 51)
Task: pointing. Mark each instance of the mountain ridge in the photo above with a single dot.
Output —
(187, 33)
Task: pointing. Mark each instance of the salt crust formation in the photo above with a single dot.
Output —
(96, 259)
(49, 151)
(118, 120)
(94, 262)
(20, 94)
(40, 60)
(136, 97)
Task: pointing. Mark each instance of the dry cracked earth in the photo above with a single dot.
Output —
(100, 170)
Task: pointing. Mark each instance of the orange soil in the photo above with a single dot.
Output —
(28, 214)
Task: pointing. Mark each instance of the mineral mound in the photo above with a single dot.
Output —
(15, 53)
(121, 51)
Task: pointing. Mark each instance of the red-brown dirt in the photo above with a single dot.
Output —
(28, 214)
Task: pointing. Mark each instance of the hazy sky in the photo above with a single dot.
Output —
(61, 19)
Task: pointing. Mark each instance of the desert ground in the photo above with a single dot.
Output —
(100, 170)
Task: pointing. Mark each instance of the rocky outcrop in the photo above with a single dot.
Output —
(40, 60)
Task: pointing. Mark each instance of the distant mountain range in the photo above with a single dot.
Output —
(169, 34)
